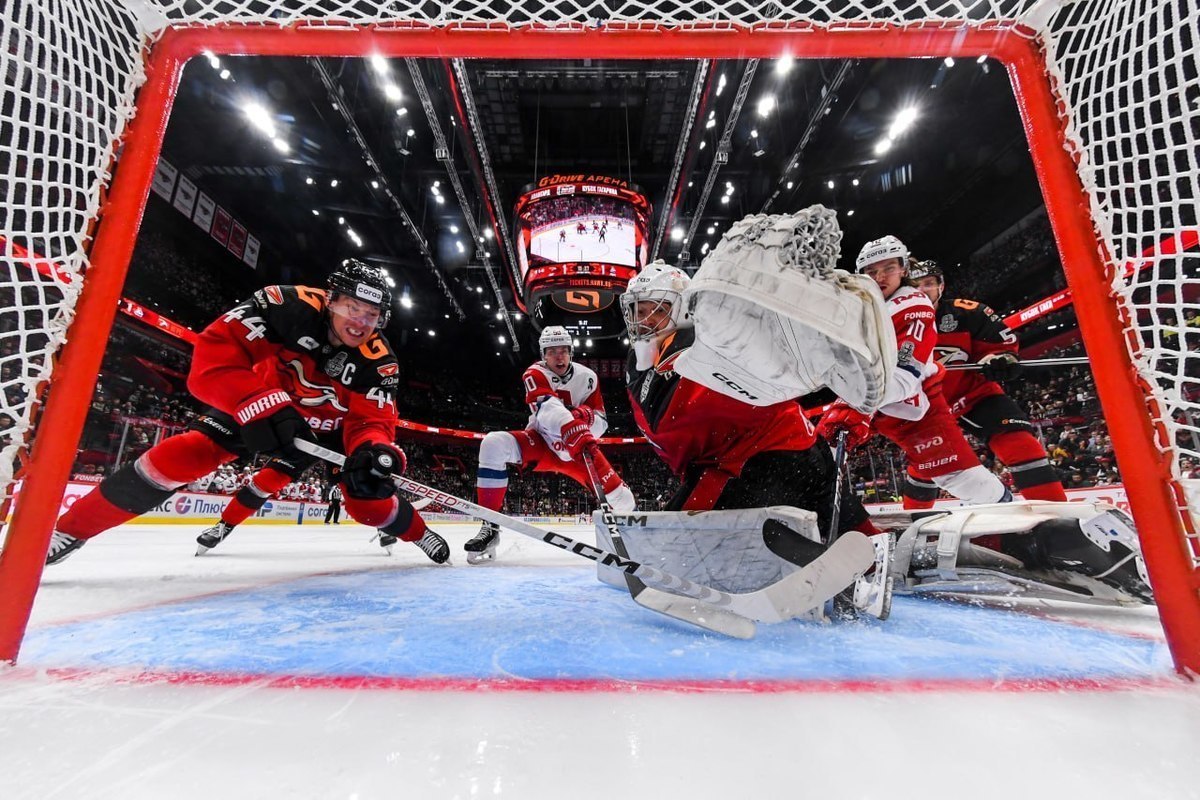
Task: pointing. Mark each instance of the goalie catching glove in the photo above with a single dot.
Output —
(270, 423)
(839, 417)
(1000, 366)
(369, 469)
(776, 320)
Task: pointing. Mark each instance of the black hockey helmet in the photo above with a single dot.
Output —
(925, 269)
(363, 282)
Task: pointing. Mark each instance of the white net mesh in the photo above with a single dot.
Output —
(1125, 71)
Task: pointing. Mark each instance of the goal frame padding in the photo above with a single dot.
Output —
(1156, 499)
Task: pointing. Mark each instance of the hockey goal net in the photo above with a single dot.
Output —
(1108, 92)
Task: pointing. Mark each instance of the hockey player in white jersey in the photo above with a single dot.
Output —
(567, 415)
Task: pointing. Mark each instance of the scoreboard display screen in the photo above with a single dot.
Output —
(579, 240)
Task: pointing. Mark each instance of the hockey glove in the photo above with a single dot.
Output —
(840, 417)
(577, 436)
(369, 469)
(1000, 366)
(584, 414)
(270, 423)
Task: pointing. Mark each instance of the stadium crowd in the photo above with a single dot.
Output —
(141, 394)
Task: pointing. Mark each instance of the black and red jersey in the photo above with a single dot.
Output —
(689, 424)
(968, 331)
(279, 339)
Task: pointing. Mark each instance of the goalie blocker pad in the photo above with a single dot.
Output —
(775, 320)
(721, 549)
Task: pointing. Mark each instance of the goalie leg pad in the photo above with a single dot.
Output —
(721, 549)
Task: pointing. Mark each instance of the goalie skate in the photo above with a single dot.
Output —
(1079, 552)
(481, 548)
(873, 591)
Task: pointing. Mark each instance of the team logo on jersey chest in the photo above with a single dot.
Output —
(312, 394)
(948, 324)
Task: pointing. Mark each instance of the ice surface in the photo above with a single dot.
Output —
(303, 662)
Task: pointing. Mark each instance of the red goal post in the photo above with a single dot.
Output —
(1106, 90)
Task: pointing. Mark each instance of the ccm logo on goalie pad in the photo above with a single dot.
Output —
(631, 519)
(733, 386)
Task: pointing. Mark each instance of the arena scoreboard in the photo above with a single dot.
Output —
(579, 240)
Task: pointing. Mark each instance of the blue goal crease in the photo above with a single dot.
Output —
(539, 623)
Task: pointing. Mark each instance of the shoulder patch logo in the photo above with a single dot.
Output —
(388, 369)
(335, 366)
(274, 295)
(948, 324)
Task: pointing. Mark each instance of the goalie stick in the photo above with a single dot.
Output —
(693, 612)
(783, 600)
(1065, 361)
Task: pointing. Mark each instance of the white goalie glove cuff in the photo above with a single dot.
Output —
(775, 320)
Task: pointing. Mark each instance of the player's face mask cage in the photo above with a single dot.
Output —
(650, 314)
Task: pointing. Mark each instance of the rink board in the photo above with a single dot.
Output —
(546, 624)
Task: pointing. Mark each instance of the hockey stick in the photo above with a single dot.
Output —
(673, 605)
(783, 600)
(1065, 361)
(839, 461)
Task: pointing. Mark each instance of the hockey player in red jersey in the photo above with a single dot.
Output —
(969, 331)
(727, 454)
(291, 363)
(567, 417)
(914, 413)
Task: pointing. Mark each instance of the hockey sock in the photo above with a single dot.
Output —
(392, 515)
(867, 527)
(121, 497)
(919, 493)
(491, 497)
(251, 497)
(1026, 459)
(143, 484)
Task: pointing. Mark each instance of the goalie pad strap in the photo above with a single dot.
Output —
(705, 491)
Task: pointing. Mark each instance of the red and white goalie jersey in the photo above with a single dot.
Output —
(551, 399)
(917, 373)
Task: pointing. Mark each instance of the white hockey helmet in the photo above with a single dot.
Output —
(662, 285)
(881, 249)
(555, 336)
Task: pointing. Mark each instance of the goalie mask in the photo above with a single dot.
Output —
(364, 283)
(653, 304)
(881, 249)
(555, 336)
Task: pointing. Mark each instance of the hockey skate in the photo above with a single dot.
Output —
(386, 541)
(61, 547)
(211, 537)
(434, 546)
(481, 547)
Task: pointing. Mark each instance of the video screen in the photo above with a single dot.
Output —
(581, 223)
